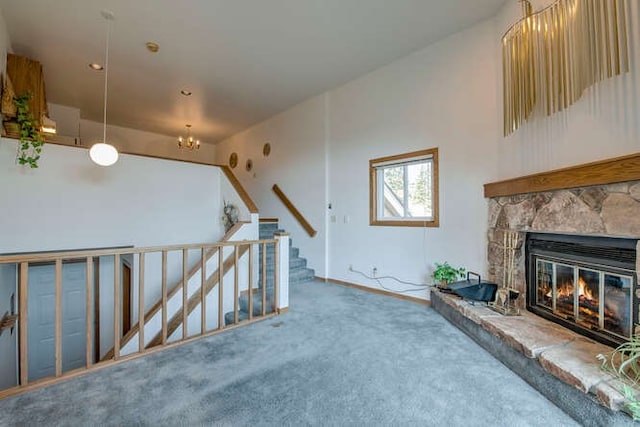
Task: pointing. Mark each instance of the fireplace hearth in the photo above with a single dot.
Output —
(585, 283)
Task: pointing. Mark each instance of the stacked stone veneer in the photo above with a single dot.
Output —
(608, 210)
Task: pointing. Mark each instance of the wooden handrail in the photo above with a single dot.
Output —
(174, 289)
(294, 211)
(194, 300)
(51, 256)
(239, 188)
(190, 302)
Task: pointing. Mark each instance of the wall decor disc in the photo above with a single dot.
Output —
(266, 149)
(249, 165)
(233, 160)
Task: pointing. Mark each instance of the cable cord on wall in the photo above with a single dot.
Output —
(419, 286)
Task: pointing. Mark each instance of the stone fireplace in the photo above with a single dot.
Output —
(608, 211)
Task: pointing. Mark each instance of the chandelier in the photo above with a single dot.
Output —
(551, 57)
(188, 142)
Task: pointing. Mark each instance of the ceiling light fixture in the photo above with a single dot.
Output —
(102, 153)
(188, 143)
(96, 67)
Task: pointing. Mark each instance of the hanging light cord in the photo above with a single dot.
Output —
(108, 18)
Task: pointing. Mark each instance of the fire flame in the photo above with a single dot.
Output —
(566, 290)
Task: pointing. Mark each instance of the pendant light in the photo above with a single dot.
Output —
(102, 153)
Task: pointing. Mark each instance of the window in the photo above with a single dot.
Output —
(403, 189)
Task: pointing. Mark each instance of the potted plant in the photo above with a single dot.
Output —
(624, 364)
(445, 274)
(31, 140)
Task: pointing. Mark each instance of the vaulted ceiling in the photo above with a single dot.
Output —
(243, 60)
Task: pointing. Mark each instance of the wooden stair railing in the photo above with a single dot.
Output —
(174, 290)
(196, 298)
(191, 302)
(294, 211)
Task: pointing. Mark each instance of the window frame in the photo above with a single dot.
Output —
(374, 164)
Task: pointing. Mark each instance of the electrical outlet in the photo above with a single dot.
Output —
(374, 271)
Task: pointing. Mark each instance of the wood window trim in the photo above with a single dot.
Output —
(373, 191)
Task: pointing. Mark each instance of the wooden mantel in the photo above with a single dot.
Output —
(619, 169)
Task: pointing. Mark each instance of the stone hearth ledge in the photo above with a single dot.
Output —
(567, 356)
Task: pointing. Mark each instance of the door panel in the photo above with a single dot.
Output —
(41, 315)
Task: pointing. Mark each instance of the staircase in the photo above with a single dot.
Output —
(298, 273)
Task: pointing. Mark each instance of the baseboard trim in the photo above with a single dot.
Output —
(283, 310)
(374, 290)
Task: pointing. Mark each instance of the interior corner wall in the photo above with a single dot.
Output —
(296, 164)
(443, 96)
(603, 124)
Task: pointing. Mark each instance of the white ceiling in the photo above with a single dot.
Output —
(244, 60)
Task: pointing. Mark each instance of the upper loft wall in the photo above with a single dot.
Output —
(126, 140)
(604, 123)
(71, 203)
(135, 141)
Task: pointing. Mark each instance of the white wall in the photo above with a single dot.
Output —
(443, 96)
(605, 123)
(69, 202)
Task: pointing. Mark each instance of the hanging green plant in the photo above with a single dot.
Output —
(31, 140)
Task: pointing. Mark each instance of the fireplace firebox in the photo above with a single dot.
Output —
(585, 283)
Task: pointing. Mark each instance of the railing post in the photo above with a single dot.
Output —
(141, 265)
(281, 285)
(23, 322)
(89, 311)
(58, 321)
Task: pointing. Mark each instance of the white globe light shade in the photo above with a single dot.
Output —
(103, 154)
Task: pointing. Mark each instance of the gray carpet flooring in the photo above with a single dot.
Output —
(339, 357)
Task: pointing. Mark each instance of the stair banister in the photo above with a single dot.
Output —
(23, 261)
(294, 211)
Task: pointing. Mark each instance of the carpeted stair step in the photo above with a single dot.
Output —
(294, 262)
(257, 302)
(297, 262)
(243, 307)
(268, 234)
(229, 317)
(301, 275)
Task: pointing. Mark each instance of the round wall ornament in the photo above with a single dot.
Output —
(266, 149)
(249, 165)
(233, 160)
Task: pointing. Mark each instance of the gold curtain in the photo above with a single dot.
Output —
(551, 57)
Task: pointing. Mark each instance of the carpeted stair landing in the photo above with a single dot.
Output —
(298, 273)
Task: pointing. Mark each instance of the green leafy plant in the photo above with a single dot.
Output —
(446, 273)
(31, 140)
(624, 364)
